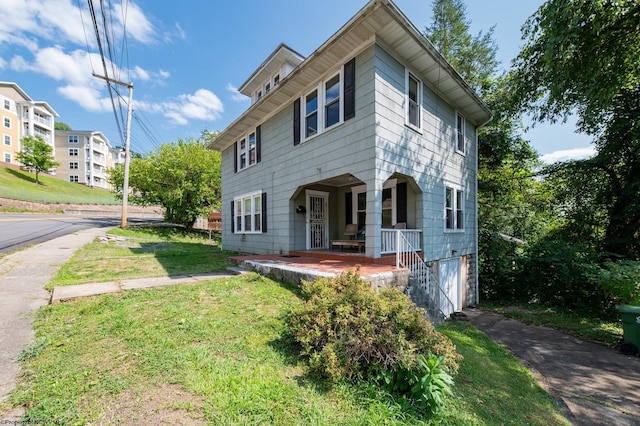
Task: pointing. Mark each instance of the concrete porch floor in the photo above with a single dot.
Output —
(307, 265)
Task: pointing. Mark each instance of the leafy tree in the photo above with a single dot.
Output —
(583, 56)
(36, 155)
(61, 125)
(579, 56)
(474, 57)
(182, 177)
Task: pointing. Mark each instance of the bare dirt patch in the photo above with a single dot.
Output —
(167, 404)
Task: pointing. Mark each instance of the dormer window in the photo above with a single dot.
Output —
(267, 87)
(276, 80)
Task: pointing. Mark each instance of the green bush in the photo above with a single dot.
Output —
(619, 280)
(349, 330)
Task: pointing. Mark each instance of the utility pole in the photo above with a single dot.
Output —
(127, 156)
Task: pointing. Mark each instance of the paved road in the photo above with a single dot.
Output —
(22, 230)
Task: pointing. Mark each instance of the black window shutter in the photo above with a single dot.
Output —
(233, 215)
(401, 202)
(258, 142)
(235, 157)
(348, 207)
(264, 212)
(350, 89)
(296, 122)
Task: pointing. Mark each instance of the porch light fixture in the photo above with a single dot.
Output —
(301, 209)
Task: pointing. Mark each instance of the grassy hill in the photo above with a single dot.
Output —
(20, 185)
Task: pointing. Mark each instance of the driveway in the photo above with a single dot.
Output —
(593, 384)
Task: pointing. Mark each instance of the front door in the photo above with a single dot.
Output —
(450, 285)
(317, 220)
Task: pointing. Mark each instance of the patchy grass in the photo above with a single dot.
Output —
(142, 252)
(592, 328)
(216, 353)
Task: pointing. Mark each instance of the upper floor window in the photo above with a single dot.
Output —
(454, 209)
(460, 133)
(247, 150)
(73, 152)
(322, 106)
(311, 114)
(73, 165)
(330, 103)
(7, 140)
(7, 122)
(7, 104)
(414, 100)
(7, 157)
(73, 138)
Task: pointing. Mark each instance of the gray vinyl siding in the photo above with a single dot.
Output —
(428, 156)
(346, 148)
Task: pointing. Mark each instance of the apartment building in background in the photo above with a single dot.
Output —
(85, 156)
(22, 116)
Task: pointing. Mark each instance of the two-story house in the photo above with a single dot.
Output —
(85, 157)
(372, 137)
(22, 116)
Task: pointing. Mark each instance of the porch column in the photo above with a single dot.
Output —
(374, 219)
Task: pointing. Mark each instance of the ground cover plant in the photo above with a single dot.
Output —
(143, 252)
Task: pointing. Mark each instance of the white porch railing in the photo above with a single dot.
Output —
(439, 306)
(390, 238)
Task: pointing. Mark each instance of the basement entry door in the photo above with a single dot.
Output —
(450, 284)
(317, 220)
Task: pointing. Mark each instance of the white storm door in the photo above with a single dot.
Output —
(317, 220)
(450, 285)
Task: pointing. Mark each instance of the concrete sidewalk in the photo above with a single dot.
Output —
(593, 384)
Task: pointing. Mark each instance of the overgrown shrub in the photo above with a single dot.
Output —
(349, 330)
(619, 280)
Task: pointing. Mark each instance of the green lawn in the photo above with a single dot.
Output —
(20, 185)
(143, 252)
(216, 353)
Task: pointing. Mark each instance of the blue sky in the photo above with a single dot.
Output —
(185, 59)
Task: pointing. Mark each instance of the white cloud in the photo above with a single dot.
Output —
(568, 154)
(202, 105)
(3, 63)
(62, 21)
(235, 95)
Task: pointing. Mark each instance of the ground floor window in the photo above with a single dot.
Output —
(73, 178)
(248, 213)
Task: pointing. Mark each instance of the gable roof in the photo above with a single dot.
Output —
(282, 54)
(27, 98)
(381, 20)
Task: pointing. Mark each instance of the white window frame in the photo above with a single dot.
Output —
(74, 165)
(7, 140)
(320, 89)
(74, 178)
(7, 122)
(7, 158)
(7, 104)
(248, 150)
(241, 212)
(457, 208)
(409, 75)
(460, 133)
(73, 139)
(74, 152)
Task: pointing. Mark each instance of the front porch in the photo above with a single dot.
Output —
(310, 264)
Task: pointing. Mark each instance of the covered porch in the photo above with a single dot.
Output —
(346, 215)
